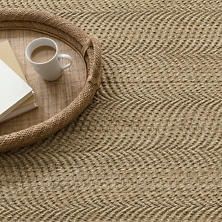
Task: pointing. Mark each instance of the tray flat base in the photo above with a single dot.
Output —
(51, 97)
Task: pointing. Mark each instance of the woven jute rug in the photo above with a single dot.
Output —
(149, 147)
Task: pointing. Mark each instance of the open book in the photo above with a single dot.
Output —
(17, 104)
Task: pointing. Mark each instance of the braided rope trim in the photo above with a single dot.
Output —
(87, 46)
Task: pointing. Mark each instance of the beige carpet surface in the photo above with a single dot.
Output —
(149, 147)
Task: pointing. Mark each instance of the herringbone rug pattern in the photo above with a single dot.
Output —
(149, 147)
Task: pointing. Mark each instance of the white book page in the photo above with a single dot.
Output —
(13, 89)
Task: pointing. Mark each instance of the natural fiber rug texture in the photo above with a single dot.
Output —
(149, 147)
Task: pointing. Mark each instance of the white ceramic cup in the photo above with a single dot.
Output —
(52, 69)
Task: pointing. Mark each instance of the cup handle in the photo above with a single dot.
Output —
(65, 56)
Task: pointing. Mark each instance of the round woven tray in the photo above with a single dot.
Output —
(87, 46)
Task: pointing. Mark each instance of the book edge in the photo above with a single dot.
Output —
(19, 112)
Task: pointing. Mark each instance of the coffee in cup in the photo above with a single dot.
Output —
(44, 56)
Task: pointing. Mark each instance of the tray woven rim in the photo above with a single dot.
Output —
(66, 31)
